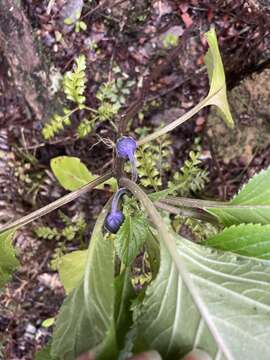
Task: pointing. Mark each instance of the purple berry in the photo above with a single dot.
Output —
(114, 220)
(126, 147)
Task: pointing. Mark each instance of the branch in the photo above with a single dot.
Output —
(57, 203)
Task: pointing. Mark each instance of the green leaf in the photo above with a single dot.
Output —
(250, 205)
(8, 260)
(123, 298)
(71, 269)
(217, 94)
(236, 291)
(44, 354)
(256, 191)
(153, 252)
(83, 25)
(68, 21)
(72, 174)
(86, 319)
(48, 322)
(131, 237)
(245, 239)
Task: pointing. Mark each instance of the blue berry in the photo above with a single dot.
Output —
(126, 147)
(114, 220)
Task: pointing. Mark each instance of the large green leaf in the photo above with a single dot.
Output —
(250, 205)
(71, 269)
(44, 354)
(131, 237)
(245, 239)
(72, 174)
(236, 291)
(8, 260)
(86, 319)
(123, 298)
(217, 93)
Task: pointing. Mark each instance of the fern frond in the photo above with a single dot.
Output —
(74, 82)
(84, 128)
(190, 178)
(56, 124)
(47, 233)
(152, 160)
(107, 111)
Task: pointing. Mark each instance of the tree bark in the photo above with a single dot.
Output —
(23, 64)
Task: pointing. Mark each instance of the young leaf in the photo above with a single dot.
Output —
(236, 291)
(217, 94)
(8, 261)
(131, 237)
(73, 174)
(250, 205)
(245, 239)
(86, 319)
(71, 269)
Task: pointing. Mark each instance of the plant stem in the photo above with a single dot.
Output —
(204, 204)
(169, 242)
(57, 203)
(90, 109)
(187, 212)
(175, 123)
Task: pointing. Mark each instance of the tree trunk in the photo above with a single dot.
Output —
(29, 79)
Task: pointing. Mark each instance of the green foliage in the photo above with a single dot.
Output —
(75, 227)
(71, 269)
(56, 124)
(72, 174)
(8, 260)
(86, 318)
(153, 159)
(47, 233)
(74, 82)
(190, 178)
(218, 93)
(245, 239)
(193, 296)
(48, 322)
(84, 128)
(170, 40)
(199, 229)
(250, 205)
(131, 237)
(111, 96)
(75, 20)
(124, 295)
(44, 354)
(235, 290)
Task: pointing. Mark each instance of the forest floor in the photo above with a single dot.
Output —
(155, 50)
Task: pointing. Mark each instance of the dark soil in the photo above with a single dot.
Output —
(129, 34)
